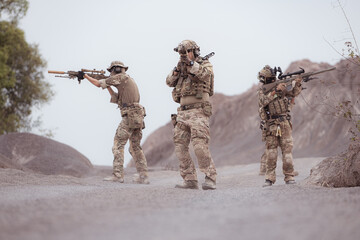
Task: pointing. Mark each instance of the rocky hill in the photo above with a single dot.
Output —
(235, 134)
(32, 153)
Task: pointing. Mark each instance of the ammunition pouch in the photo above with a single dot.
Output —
(190, 85)
(279, 106)
(175, 96)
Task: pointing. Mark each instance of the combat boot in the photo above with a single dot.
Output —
(268, 183)
(114, 178)
(191, 184)
(209, 184)
(142, 179)
(290, 182)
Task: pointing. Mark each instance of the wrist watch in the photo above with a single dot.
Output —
(191, 63)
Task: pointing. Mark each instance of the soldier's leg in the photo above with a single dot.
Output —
(120, 139)
(272, 153)
(263, 164)
(182, 141)
(137, 152)
(200, 136)
(286, 145)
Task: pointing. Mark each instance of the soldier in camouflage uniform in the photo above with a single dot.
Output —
(278, 127)
(132, 123)
(193, 80)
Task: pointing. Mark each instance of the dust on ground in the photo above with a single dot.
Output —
(35, 206)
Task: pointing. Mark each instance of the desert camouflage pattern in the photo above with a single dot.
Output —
(266, 72)
(280, 135)
(193, 125)
(187, 45)
(194, 82)
(117, 64)
(134, 135)
(130, 128)
(278, 131)
(263, 164)
(199, 78)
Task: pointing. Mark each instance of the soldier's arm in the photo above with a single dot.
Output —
(110, 81)
(203, 71)
(297, 88)
(172, 78)
(92, 80)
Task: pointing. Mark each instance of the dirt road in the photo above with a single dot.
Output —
(59, 207)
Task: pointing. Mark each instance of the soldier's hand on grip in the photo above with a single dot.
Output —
(298, 79)
(281, 87)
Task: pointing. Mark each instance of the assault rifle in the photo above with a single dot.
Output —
(97, 74)
(206, 57)
(289, 77)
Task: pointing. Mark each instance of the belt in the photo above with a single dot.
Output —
(281, 117)
(124, 105)
(193, 106)
(129, 105)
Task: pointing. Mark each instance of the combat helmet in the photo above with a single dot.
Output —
(117, 64)
(188, 45)
(267, 74)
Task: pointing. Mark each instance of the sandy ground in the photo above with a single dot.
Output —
(59, 207)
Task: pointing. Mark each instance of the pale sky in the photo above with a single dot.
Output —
(245, 35)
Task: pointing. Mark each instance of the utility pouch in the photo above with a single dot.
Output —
(175, 96)
(135, 118)
(272, 129)
(263, 136)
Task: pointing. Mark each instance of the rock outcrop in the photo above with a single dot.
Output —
(33, 153)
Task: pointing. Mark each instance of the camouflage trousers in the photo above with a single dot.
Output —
(279, 135)
(123, 134)
(193, 125)
(263, 164)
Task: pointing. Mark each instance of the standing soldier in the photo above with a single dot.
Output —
(278, 125)
(193, 83)
(132, 123)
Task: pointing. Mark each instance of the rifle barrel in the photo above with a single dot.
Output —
(325, 70)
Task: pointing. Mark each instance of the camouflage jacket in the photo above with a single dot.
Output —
(192, 80)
